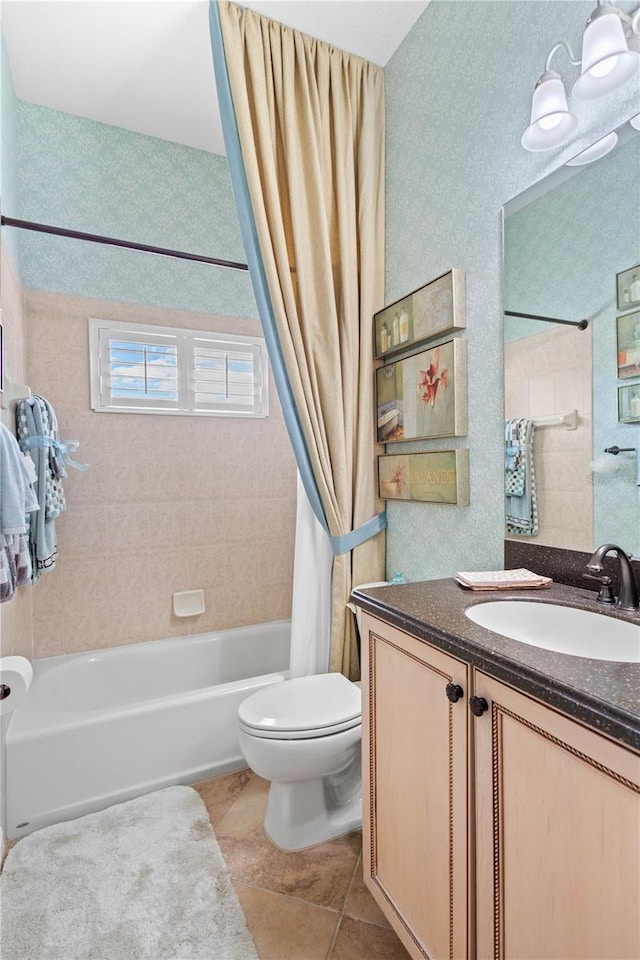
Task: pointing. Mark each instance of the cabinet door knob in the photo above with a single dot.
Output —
(478, 705)
(454, 691)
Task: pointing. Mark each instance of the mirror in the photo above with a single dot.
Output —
(565, 241)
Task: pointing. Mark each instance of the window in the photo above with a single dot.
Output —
(137, 368)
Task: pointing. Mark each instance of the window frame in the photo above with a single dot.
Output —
(186, 341)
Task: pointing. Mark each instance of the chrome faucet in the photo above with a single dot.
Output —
(628, 599)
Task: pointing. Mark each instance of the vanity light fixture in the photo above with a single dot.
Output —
(609, 58)
(635, 122)
(607, 61)
(598, 149)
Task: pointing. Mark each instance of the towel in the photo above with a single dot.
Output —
(522, 509)
(36, 434)
(17, 500)
(513, 460)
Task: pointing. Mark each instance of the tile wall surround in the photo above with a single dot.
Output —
(546, 374)
(16, 614)
(168, 503)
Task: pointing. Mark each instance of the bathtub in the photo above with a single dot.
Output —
(101, 727)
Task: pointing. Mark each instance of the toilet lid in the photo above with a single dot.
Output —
(311, 706)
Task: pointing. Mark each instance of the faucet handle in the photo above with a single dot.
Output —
(605, 594)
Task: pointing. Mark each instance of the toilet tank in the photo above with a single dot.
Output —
(357, 610)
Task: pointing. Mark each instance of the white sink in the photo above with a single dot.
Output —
(563, 629)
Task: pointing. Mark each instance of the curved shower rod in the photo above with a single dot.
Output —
(580, 324)
(111, 241)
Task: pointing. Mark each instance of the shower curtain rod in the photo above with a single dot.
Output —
(111, 241)
(580, 324)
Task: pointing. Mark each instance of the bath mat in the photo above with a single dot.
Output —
(142, 880)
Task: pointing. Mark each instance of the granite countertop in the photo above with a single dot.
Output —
(601, 693)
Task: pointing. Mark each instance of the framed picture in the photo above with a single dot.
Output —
(629, 403)
(628, 330)
(628, 288)
(424, 395)
(428, 312)
(439, 476)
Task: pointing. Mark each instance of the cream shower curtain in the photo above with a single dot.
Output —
(311, 126)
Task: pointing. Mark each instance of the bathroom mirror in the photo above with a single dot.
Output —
(565, 241)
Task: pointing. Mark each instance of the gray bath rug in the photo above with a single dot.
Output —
(142, 880)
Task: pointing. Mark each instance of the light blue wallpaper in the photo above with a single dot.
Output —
(458, 100)
(101, 179)
(8, 173)
(562, 254)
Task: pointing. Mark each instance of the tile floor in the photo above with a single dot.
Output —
(306, 905)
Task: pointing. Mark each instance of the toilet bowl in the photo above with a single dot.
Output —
(303, 735)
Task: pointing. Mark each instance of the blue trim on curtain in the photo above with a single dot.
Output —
(348, 541)
(256, 266)
(366, 530)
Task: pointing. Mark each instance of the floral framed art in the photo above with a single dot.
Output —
(430, 311)
(628, 288)
(628, 334)
(438, 476)
(424, 395)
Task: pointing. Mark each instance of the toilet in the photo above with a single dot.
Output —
(303, 735)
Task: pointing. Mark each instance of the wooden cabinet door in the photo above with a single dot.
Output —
(557, 835)
(415, 836)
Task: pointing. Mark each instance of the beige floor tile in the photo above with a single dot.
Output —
(320, 875)
(360, 904)
(286, 929)
(357, 940)
(220, 792)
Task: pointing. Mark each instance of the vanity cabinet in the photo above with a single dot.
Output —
(510, 834)
(557, 834)
(415, 824)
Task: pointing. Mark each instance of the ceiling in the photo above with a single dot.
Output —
(145, 65)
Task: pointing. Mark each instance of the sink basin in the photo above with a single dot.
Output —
(580, 633)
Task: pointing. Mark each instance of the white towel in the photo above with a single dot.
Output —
(17, 499)
(17, 496)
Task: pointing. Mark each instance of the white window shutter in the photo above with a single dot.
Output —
(137, 368)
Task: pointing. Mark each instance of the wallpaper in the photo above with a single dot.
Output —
(8, 172)
(101, 179)
(458, 99)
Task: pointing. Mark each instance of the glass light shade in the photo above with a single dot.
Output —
(551, 123)
(607, 61)
(598, 149)
(635, 122)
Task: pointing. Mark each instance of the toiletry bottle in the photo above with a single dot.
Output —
(395, 336)
(404, 326)
(634, 289)
(634, 405)
(384, 337)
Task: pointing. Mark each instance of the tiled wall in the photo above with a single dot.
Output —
(169, 502)
(15, 615)
(546, 374)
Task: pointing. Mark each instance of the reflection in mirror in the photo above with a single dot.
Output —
(565, 242)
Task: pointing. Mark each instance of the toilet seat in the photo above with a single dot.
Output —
(302, 709)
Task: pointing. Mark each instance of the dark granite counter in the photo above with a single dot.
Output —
(602, 694)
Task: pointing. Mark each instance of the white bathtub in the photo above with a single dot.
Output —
(105, 726)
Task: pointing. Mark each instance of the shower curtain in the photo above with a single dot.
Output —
(304, 127)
